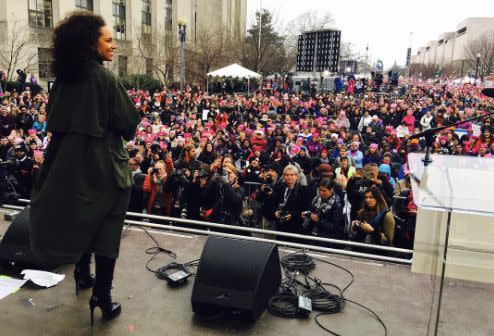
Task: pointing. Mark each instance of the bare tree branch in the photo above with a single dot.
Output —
(483, 46)
(19, 53)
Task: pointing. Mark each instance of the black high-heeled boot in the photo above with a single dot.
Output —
(101, 291)
(82, 274)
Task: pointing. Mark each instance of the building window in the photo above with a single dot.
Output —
(168, 15)
(40, 13)
(45, 59)
(461, 31)
(146, 20)
(122, 65)
(84, 4)
(149, 67)
(119, 19)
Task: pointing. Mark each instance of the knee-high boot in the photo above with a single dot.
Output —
(82, 273)
(101, 291)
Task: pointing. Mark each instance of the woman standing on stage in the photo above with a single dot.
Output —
(81, 193)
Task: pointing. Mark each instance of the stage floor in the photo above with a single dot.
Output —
(149, 307)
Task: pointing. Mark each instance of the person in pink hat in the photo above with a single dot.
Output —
(484, 151)
(372, 155)
(342, 120)
(409, 120)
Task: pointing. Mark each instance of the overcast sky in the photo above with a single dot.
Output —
(384, 25)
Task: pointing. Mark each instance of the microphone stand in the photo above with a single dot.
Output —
(430, 133)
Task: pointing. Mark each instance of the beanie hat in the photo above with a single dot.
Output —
(385, 168)
(325, 169)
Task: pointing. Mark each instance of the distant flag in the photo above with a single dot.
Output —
(379, 65)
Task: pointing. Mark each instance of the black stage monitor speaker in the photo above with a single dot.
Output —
(236, 276)
(15, 246)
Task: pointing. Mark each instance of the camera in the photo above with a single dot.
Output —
(355, 231)
(203, 173)
(268, 179)
(156, 171)
(268, 188)
(220, 171)
(267, 183)
(306, 213)
(283, 214)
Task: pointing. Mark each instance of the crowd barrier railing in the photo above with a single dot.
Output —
(209, 230)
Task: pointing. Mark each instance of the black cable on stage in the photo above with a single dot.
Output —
(285, 303)
(162, 272)
(342, 268)
(297, 261)
(342, 291)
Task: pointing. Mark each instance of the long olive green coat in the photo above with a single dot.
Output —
(79, 200)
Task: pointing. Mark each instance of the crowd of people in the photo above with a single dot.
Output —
(329, 164)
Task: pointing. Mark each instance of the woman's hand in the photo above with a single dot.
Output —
(367, 227)
(314, 217)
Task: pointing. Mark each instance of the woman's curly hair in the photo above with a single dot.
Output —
(74, 42)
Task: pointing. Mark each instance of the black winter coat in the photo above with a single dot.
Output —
(297, 202)
(331, 222)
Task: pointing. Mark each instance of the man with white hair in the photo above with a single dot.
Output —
(287, 202)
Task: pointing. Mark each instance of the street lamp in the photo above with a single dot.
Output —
(182, 26)
(477, 69)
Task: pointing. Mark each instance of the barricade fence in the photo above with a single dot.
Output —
(173, 224)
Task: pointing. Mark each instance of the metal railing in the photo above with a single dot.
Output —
(209, 230)
(269, 232)
(277, 242)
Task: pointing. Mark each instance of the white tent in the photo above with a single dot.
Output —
(236, 71)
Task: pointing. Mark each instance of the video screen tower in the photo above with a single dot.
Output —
(319, 51)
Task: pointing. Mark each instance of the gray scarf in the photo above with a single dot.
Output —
(319, 204)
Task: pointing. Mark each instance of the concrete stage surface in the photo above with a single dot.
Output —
(149, 307)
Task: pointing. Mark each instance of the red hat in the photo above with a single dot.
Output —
(325, 169)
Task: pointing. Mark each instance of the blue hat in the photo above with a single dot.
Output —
(385, 168)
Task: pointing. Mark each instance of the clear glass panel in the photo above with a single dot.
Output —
(32, 4)
(459, 183)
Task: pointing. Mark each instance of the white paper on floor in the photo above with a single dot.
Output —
(42, 278)
(9, 285)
